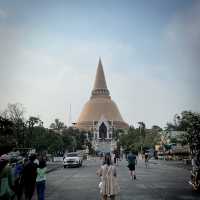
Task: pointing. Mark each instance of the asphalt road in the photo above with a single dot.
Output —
(161, 181)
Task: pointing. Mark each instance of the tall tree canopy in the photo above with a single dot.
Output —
(190, 123)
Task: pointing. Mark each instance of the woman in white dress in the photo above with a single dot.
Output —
(109, 187)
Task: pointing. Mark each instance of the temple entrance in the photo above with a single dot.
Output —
(103, 131)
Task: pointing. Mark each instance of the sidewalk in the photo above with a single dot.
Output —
(172, 163)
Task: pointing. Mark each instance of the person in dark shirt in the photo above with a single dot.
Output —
(131, 164)
(18, 171)
(146, 159)
(29, 177)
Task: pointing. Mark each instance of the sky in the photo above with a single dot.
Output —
(150, 51)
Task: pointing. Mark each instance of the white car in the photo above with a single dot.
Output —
(72, 159)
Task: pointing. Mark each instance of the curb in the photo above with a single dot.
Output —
(53, 169)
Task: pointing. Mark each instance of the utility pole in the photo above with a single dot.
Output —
(69, 116)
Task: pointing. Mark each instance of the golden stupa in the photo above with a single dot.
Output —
(100, 105)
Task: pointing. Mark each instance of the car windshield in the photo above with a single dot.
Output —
(72, 155)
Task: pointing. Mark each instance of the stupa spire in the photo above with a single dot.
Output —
(100, 86)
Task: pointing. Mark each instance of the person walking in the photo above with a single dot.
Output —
(114, 158)
(6, 179)
(41, 179)
(146, 159)
(117, 155)
(29, 177)
(18, 171)
(132, 161)
(109, 187)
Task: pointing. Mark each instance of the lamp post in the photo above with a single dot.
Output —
(142, 128)
(141, 147)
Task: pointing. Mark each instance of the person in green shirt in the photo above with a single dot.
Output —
(41, 179)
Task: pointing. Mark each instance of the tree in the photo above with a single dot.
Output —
(57, 125)
(152, 138)
(175, 125)
(15, 131)
(116, 133)
(55, 143)
(15, 113)
(156, 128)
(190, 123)
(67, 142)
(31, 123)
(140, 138)
(170, 127)
(7, 136)
(131, 140)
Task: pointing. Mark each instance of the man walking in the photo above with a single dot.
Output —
(146, 157)
(131, 164)
(29, 176)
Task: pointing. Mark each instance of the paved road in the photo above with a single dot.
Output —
(159, 182)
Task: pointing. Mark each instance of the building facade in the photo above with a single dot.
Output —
(100, 115)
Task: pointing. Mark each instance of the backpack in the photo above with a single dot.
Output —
(132, 160)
